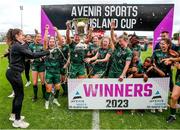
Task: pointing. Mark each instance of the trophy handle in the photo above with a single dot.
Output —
(75, 21)
(87, 27)
(71, 27)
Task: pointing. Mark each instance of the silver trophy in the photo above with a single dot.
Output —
(80, 27)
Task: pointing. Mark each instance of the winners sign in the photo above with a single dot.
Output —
(112, 94)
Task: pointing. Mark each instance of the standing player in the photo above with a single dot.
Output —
(64, 63)
(93, 47)
(77, 55)
(165, 52)
(92, 50)
(165, 35)
(101, 59)
(52, 63)
(176, 91)
(28, 41)
(135, 47)
(37, 66)
(121, 59)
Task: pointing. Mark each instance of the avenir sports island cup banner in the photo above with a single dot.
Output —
(112, 94)
(137, 17)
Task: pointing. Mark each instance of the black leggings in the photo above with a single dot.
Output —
(27, 68)
(15, 79)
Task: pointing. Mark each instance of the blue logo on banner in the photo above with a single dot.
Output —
(157, 95)
(77, 96)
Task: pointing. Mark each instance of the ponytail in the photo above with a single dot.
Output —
(11, 35)
(36, 32)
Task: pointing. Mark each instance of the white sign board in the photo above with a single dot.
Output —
(111, 94)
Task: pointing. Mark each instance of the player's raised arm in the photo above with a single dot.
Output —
(89, 36)
(59, 36)
(46, 37)
(112, 32)
(68, 38)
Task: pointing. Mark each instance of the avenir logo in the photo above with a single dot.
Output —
(157, 95)
(77, 96)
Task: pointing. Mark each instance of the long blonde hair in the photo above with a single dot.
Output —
(111, 45)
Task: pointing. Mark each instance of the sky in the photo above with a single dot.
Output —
(10, 14)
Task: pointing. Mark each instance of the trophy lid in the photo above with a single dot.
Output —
(80, 24)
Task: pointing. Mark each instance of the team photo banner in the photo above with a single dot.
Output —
(112, 94)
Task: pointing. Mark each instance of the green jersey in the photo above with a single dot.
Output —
(178, 78)
(140, 68)
(119, 58)
(138, 48)
(65, 51)
(101, 55)
(158, 55)
(138, 65)
(36, 48)
(77, 53)
(178, 71)
(178, 49)
(93, 48)
(53, 61)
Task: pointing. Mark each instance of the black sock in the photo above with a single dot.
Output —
(56, 94)
(173, 111)
(43, 90)
(47, 94)
(64, 86)
(35, 88)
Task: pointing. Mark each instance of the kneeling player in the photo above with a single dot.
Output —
(149, 70)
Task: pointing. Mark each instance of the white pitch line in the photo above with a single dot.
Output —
(95, 120)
